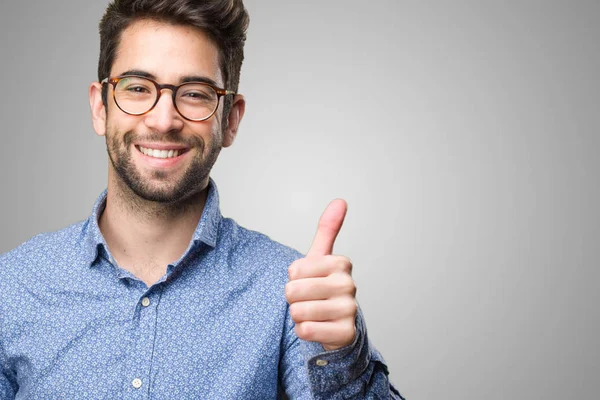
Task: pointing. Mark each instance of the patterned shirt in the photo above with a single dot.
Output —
(74, 325)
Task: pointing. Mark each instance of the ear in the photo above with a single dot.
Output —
(233, 119)
(98, 109)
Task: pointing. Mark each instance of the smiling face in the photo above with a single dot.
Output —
(160, 156)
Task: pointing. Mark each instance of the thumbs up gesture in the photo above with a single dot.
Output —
(321, 291)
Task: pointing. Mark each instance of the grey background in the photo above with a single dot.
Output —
(462, 134)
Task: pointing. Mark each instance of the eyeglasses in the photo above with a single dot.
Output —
(194, 101)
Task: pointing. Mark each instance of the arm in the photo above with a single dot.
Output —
(356, 371)
(340, 362)
(8, 383)
(7, 387)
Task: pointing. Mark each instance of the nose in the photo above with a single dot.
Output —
(164, 117)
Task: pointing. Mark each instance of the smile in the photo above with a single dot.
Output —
(157, 153)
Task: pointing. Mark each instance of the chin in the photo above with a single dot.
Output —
(166, 194)
(160, 195)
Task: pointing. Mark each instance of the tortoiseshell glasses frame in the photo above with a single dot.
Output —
(139, 99)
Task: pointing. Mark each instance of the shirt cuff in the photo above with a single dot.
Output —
(330, 371)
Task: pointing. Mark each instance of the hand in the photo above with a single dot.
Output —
(321, 291)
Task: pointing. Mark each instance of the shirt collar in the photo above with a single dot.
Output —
(206, 231)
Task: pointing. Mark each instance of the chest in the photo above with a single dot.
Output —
(221, 340)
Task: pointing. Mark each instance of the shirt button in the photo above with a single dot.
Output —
(322, 363)
(137, 383)
(145, 302)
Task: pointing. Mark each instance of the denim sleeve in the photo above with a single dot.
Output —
(357, 371)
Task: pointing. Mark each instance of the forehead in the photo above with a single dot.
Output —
(167, 51)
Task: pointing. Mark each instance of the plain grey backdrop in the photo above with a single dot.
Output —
(464, 136)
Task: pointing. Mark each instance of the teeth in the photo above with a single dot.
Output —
(159, 153)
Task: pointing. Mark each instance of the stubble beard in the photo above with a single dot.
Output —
(160, 187)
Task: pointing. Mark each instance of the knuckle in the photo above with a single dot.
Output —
(353, 308)
(347, 308)
(339, 262)
(345, 284)
(342, 263)
(351, 327)
(349, 266)
(334, 282)
(351, 332)
(349, 304)
(351, 286)
(337, 284)
(345, 262)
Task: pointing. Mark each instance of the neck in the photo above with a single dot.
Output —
(145, 236)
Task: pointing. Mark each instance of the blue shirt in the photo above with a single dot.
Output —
(74, 325)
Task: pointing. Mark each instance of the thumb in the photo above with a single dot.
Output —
(329, 226)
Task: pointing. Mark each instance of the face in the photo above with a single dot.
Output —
(160, 156)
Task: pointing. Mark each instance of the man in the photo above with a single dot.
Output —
(157, 295)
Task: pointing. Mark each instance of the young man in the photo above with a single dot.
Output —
(157, 295)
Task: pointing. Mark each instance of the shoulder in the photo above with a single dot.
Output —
(247, 244)
(44, 252)
(247, 240)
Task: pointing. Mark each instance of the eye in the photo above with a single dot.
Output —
(196, 95)
(137, 89)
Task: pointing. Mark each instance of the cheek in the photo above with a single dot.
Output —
(216, 136)
(118, 123)
(210, 131)
(218, 123)
(207, 138)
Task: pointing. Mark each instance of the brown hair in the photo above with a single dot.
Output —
(224, 21)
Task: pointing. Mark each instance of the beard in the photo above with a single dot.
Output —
(160, 186)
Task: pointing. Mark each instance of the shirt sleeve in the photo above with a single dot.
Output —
(357, 371)
(7, 390)
(8, 384)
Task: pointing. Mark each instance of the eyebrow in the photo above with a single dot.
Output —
(185, 79)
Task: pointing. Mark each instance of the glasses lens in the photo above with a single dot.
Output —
(196, 101)
(135, 95)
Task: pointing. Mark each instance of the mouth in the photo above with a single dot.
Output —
(161, 153)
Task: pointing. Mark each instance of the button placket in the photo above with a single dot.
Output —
(143, 334)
